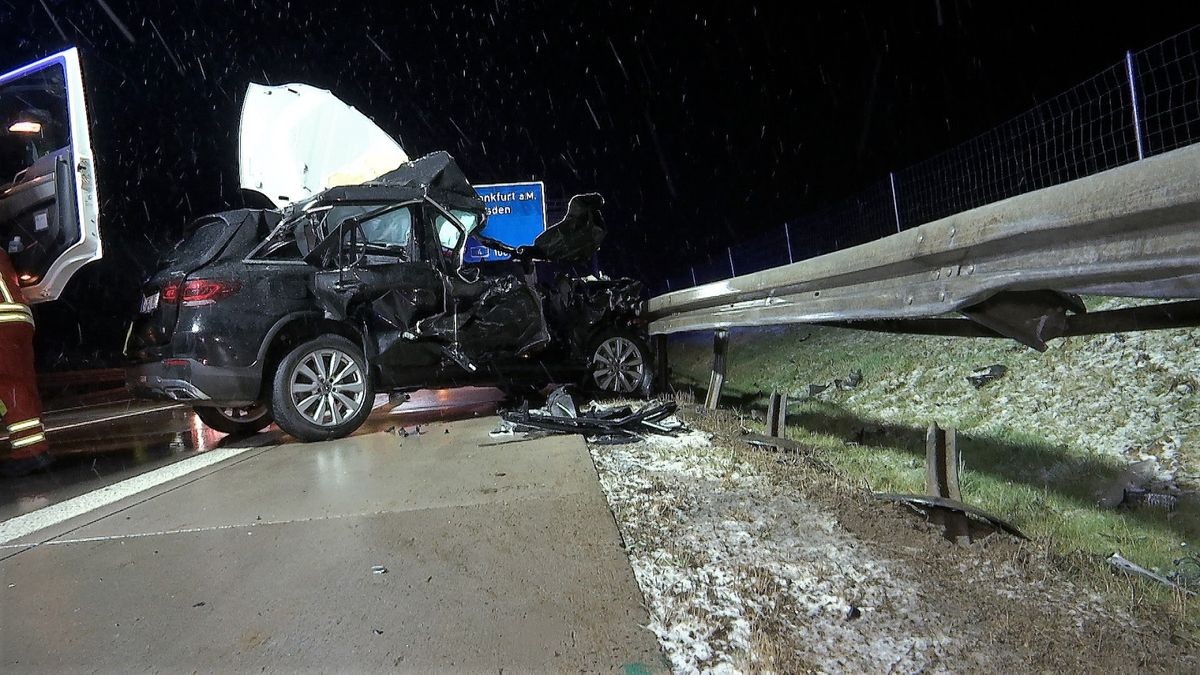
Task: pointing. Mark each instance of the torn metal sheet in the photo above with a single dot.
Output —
(607, 423)
(927, 503)
(1123, 564)
(574, 238)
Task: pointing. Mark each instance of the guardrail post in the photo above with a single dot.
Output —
(717, 379)
(662, 371)
(941, 463)
(693, 269)
(787, 234)
(1137, 108)
(895, 201)
(732, 272)
(777, 414)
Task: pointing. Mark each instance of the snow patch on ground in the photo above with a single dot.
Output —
(735, 570)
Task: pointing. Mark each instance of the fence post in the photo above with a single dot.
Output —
(1137, 109)
(895, 202)
(732, 272)
(787, 233)
(693, 269)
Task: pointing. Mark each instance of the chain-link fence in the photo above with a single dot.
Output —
(1146, 104)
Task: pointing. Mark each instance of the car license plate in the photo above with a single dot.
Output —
(149, 303)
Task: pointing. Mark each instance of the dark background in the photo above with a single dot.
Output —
(701, 123)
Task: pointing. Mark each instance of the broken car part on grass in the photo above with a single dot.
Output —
(356, 282)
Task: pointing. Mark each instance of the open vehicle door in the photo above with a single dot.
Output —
(48, 200)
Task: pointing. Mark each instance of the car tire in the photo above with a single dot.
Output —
(620, 364)
(313, 404)
(236, 421)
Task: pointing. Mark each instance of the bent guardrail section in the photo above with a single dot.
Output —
(1129, 231)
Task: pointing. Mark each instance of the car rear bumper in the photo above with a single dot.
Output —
(188, 381)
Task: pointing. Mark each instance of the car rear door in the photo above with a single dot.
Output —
(389, 272)
(48, 198)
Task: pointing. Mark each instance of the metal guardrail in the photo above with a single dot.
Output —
(1142, 105)
(1129, 231)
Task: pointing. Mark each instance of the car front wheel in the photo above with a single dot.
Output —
(322, 389)
(620, 364)
(243, 421)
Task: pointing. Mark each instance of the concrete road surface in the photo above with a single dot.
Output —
(498, 559)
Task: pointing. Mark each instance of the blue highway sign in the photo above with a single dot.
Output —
(516, 214)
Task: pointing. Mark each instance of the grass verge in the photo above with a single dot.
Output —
(1049, 447)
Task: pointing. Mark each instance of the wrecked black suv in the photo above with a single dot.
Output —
(300, 315)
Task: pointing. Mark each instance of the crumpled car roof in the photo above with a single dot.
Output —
(436, 175)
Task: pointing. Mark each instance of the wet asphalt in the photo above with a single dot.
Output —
(103, 443)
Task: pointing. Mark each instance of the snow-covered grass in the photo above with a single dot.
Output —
(1050, 446)
(739, 574)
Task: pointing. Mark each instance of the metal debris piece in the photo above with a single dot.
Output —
(1144, 497)
(378, 569)
(1129, 567)
(773, 442)
(610, 423)
(1187, 571)
(561, 404)
(854, 379)
(931, 505)
(982, 376)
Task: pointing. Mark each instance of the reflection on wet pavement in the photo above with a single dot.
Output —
(99, 445)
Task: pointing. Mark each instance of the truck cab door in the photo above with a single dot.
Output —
(48, 199)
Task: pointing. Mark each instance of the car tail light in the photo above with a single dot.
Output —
(199, 291)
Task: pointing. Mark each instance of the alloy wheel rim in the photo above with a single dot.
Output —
(327, 387)
(618, 366)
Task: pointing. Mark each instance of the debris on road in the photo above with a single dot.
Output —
(378, 569)
(980, 377)
(602, 424)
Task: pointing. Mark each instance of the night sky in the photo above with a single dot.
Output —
(701, 123)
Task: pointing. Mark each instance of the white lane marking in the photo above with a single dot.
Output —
(28, 523)
(118, 416)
